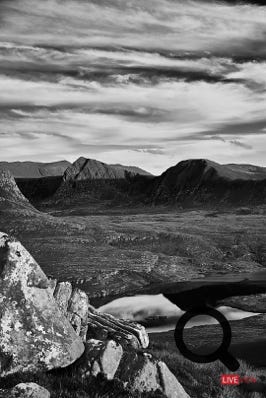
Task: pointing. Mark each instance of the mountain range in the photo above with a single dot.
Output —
(194, 182)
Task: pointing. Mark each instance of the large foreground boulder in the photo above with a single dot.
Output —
(25, 390)
(34, 334)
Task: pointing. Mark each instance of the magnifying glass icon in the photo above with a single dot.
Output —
(221, 353)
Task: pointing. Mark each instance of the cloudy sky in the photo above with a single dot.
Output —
(140, 82)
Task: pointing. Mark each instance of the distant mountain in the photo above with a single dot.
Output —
(35, 169)
(10, 195)
(91, 169)
(200, 181)
(132, 169)
(190, 183)
(93, 184)
(197, 182)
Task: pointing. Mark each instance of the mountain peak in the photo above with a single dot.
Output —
(204, 181)
(92, 169)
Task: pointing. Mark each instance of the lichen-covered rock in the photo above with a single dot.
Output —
(140, 371)
(62, 294)
(34, 334)
(127, 333)
(90, 323)
(101, 357)
(78, 312)
(169, 384)
(145, 377)
(25, 390)
(52, 284)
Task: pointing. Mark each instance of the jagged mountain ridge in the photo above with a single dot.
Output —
(90, 169)
(35, 169)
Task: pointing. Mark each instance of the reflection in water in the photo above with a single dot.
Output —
(144, 307)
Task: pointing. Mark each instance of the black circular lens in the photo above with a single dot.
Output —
(203, 358)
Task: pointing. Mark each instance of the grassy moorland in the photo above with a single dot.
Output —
(203, 380)
(120, 254)
(124, 252)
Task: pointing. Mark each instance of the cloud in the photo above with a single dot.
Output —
(153, 151)
(132, 79)
(240, 144)
(187, 26)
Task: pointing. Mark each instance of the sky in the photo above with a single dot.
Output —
(137, 82)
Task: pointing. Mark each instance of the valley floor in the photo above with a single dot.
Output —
(121, 254)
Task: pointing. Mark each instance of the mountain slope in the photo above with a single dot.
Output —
(10, 195)
(35, 169)
(91, 169)
(197, 181)
(90, 184)
(132, 169)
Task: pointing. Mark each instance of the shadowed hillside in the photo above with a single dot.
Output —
(190, 183)
(200, 181)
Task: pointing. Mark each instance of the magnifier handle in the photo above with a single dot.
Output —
(230, 362)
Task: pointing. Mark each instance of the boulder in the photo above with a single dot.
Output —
(62, 294)
(127, 333)
(90, 323)
(169, 384)
(25, 390)
(137, 370)
(34, 334)
(101, 357)
(78, 312)
(144, 378)
(52, 284)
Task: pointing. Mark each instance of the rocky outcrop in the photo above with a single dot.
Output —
(137, 370)
(127, 333)
(10, 195)
(78, 310)
(101, 357)
(112, 346)
(62, 294)
(25, 390)
(90, 323)
(34, 334)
